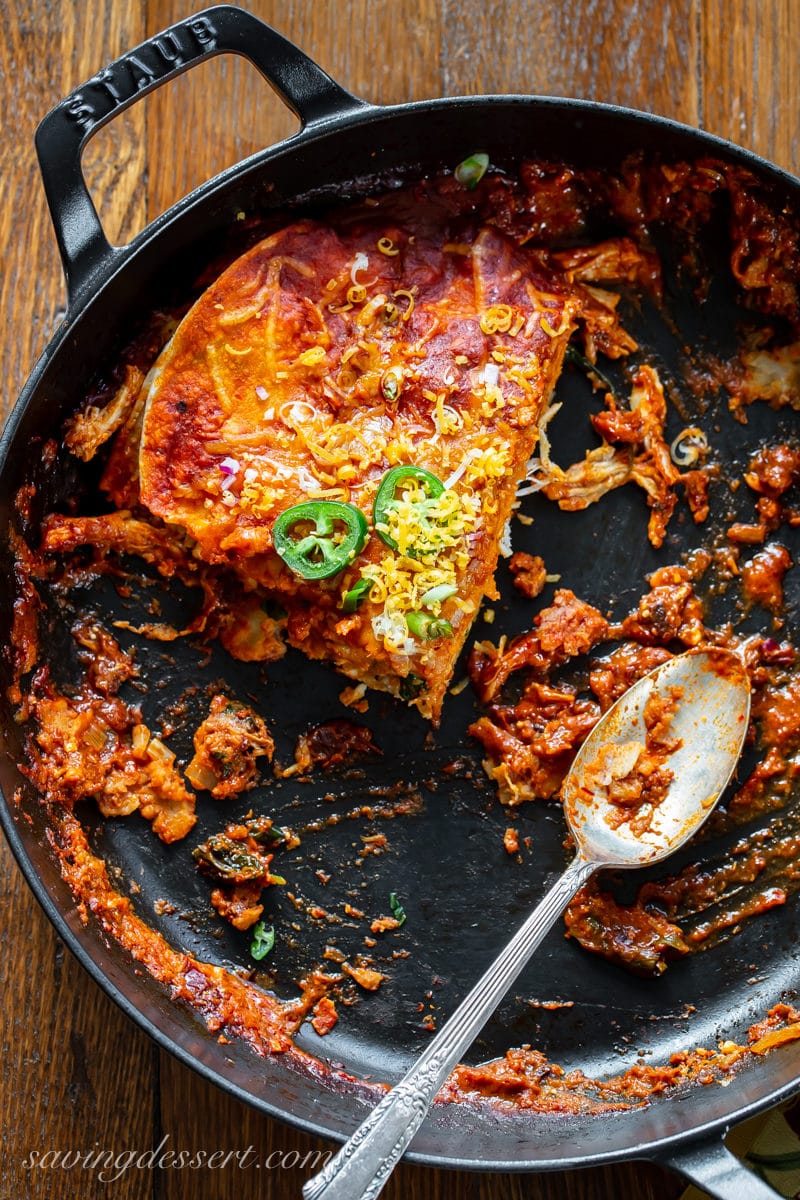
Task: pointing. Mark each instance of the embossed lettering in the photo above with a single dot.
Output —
(133, 73)
(169, 48)
(80, 111)
(105, 79)
(204, 32)
(141, 73)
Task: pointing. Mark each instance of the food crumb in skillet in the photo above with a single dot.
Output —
(227, 745)
(762, 578)
(238, 861)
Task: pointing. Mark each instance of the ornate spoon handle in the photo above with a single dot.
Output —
(365, 1162)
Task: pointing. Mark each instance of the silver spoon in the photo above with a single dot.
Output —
(710, 724)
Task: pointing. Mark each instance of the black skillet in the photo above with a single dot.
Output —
(461, 892)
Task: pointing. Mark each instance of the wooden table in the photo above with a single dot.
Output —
(75, 1072)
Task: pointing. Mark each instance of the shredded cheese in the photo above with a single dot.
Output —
(497, 318)
(432, 536)
(405, 294)
(548, 328)
(360, 263)
(312, 356)
(426, 526)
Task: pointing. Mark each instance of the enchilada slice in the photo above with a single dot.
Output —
(343, 418)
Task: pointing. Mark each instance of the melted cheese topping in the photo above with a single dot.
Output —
(319, 360)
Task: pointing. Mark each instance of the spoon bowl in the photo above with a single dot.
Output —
(645, 779)
(709, 726)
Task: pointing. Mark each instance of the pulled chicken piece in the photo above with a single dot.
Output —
(329, 743)
(566, 628)
(634, 450)
(529, 572)
(634, 935)
(670, 610)
(94, 745)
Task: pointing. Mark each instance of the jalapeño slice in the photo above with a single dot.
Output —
(319, 538)
(387, 495)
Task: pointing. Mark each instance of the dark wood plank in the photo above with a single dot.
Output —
(640, 53)
(48, 51)
(383, 53)
(77, 1076)
(751, 78)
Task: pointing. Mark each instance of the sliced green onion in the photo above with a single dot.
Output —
(357, 593)
(471, 171)
(398, 912)
(263, 941)
(392, 384)
(428, 628)
(436, 595)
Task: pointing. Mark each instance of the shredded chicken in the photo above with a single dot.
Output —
(118, 533)
(529, 572)
(92, 428)
(634, 450)
(568, 627)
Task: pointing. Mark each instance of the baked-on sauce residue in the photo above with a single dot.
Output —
(90, 743)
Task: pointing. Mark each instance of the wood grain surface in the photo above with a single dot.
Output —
(75, 1072)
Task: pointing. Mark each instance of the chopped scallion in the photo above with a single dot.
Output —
(359, 592)
(428, 628)
(436, 595)
(471, 171)
(398, 912)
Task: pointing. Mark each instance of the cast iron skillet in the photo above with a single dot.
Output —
(461, 892)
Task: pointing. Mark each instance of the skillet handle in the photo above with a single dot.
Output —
(307, 90)
(710, 1166)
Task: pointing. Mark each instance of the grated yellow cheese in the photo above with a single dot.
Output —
(446, 418)
(431, 526)
(493, 400)
(564, 324)
(406, 294)
(498, 318)
(312, 356)
(490, 462)
(432, 538)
